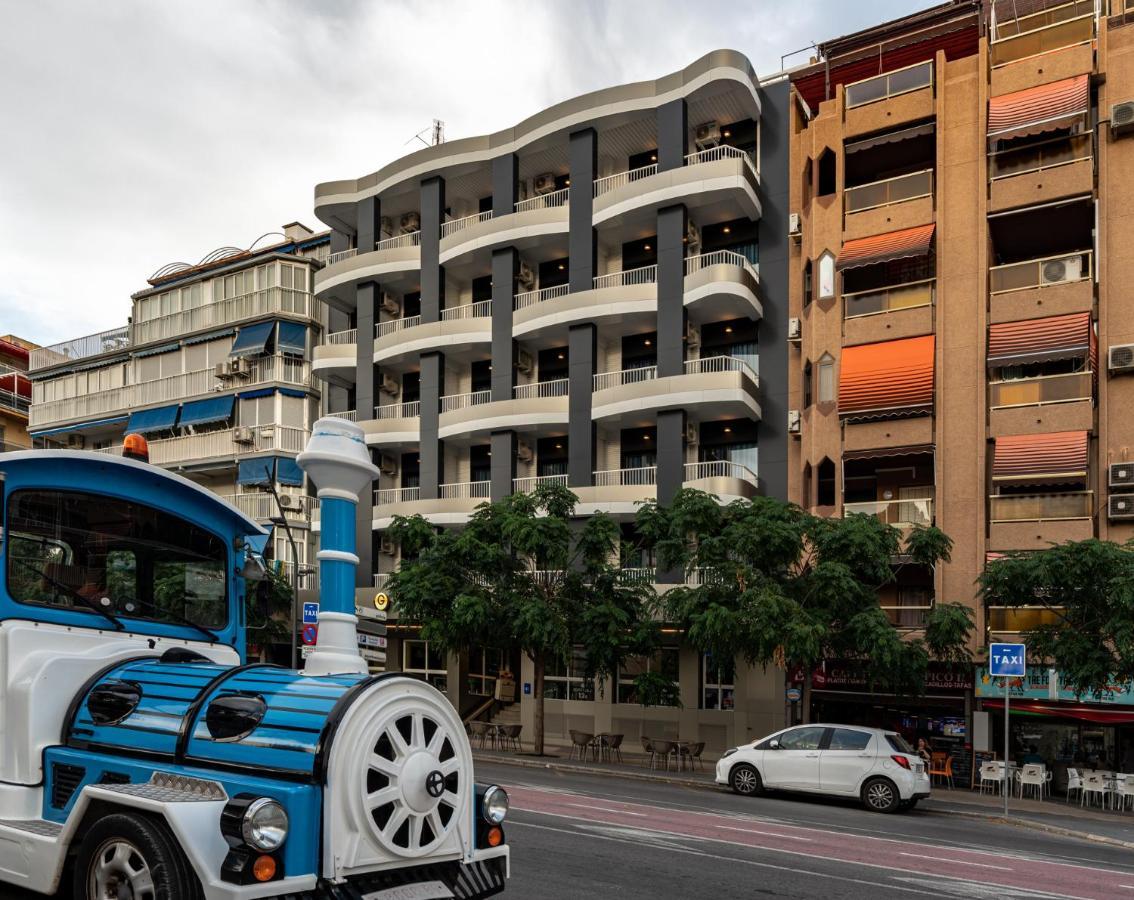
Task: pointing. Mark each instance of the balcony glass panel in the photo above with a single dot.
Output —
(901, 513)
(1043, 31)
(889, 191)
(889, 85)
(1040, 507)
(1047, 271)
(888, 299)
(1045, 389)
(1008, 620)
(1037, 157)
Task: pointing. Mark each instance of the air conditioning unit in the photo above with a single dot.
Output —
(288, 501)
(388, 464)
(411, 222)
(525, 276)
(1122, 118)
(525, 362)
(544, 184)
(692, 338)
(708, 135)
(692, 434)
(1057, 271)
(794, 329)
(1120, 475)
(1120, 358)
(386, 226)
(794, 225)
(388, 546)
(793, 421)
(241, 367)
(390, 304)
(1120, 506)
(692, 237)
(242, 434)
(524, 452)
(223, 370)
(389, 385)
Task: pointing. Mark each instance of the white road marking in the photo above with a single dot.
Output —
(624, 812)
(786, 837)
(944, 860)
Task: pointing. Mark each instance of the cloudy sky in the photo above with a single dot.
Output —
(140, 132)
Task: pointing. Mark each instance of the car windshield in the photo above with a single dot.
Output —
(899, 743)
(76, 550)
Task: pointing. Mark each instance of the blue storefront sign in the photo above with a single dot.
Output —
(1045, 684)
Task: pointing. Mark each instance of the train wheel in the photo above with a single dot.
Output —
(127, 855)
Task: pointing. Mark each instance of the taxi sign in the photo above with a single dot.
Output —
(1006, 660)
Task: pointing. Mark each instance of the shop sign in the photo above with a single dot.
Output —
(1043, 684)
(849, 675)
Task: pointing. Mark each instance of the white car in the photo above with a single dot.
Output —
(872, 764)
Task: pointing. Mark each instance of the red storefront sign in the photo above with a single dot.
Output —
(850, 675)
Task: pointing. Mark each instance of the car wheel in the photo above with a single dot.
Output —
(745, 780)
(131, 855)
(880, 795)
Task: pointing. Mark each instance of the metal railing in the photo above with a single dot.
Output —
(605, 380)
(912, 295)
(381, 579)
(620, 179)
(889, 84)
(642, 476)
(188, 447)
(525, 485)
(408, 410)
(556, 388)
(888, 191)
(901, 513)
(1040, 507)
(719, 468)
(225, 312)
(79, 348)
(721, 151)
(1041, 32)
(413, 239)
(908, 615)
(1039, 157)
(545, 201)
(696, 263)
(350, 415)
(350, 336)
(452, 402)
(642, 275)
(386, 496)
(1047, 271)
(262, 505)
(12, 400)
(341, 255)
(454, 225)
(530, 298)
(638, 573)
(391, 326)
(465, 490)
(710, 364)
(479, 310)
(1039, 391)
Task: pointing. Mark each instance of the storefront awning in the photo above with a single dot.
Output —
(1056, 457)
(154, 351)
(891, 377)
(252, 339)
(260, 470)
(288, 471)
(1081, 711)
(157, 419)
(888, 452)
(82, 426)
(210, 336)
(1039, 340)
(1035, 110)
(203, 412)
(881, 248)
(292, 338)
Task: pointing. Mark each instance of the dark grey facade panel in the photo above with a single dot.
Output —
(432, 275)
(582, 241)
(340, 241)
(366, 295)
(670, 471)
(582, 353)
(505, 179)
(503, 469)
(369, 223)
(432, 448)
(673, 134)
(505, 265)
(671, 291)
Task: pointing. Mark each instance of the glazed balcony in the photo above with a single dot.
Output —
(1041, 173)
(1047, 286)
(1041, 507)
(904, 513)
(1049, 403)
(1067, 25)
(889, 313)
(266, 302)
(889, 100)
(904, 201)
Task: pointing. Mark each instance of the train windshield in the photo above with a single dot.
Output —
(114, 557)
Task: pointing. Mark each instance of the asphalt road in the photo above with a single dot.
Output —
(581, 836)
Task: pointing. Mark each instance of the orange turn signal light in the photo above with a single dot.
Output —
(264, 869)
(134, 446)
(495, 836)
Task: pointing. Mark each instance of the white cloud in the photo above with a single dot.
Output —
(138, 133)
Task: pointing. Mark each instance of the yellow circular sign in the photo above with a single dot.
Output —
(381, 601)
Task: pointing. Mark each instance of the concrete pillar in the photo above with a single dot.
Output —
(505, 265)
(582, 241)
(671, 291)
(369, 223)
(582, 353)
(505, 178)
(432, 448)
(432, 273)
(503, 468)
(673, 135)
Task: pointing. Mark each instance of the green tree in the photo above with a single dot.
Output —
(524, 575)
(268, 606)
(1088, 589)
(778, 586)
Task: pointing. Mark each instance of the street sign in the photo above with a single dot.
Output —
(793, 695)
(381, 601)
(310, 633)
(307, 650)
(373, 655)
(1006, 660)
(374, 615)
(527, 687)
(371, 640)
(310, 613)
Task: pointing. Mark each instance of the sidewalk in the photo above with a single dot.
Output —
(1053, 816)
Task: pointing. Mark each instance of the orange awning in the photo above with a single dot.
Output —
(1038, 340)
(1056, 457)
(881, 379)
(882, 248)
(1035, 110)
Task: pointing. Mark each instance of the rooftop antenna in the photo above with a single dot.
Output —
(436, 134)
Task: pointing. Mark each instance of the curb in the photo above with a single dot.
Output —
(568, 768)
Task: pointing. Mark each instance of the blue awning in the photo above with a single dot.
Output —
(259, 392)
(293, 392)
(252, 339)
(156, 419)
(292, 338)
(154, 351)
(201, 412)
(78, 427)
(211, 336)
(288, 471)
(256, 471)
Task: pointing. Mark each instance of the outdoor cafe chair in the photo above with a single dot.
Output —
(582, 742)
(510, 736)
(663, 750)
(1095, 784)
(648, 748)
(1035, 777)
(992, 774)
(612, 747)
(1123, 790)
(1074, 783)
(692, 752)
(941, 766)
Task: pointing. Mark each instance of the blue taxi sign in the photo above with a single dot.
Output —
(1006, 660)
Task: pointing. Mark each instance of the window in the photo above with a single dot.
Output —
(808, 286)
(846, 739)
(826, 275)
(899, 743)
(826, 378)
(827, 179)
(808, 374)
(807, 738)
(426, 663)
(485, 666)
(717, 683)
(293, 411)
(67, 548)
(825, 482)
(806, 500)
(663, 662)
(563, 679)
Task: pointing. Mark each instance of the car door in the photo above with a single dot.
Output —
(847, 757)
(795, 763)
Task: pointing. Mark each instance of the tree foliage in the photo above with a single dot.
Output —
(1088, 589)
(267, 607)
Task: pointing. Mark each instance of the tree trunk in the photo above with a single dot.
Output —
(537, 691)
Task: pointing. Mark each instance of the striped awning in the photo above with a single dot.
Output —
(882, 248)
(1034, 110)
(895, 377)
(1039, 340)
(1054, 458)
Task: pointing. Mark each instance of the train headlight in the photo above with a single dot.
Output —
(494, 806)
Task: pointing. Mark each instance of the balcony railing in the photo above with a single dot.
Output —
(1039, 157)
(1041, 507)
(1048, 271)
(526, 485)
(712, 154)
(1041, 32)
(381, 329)
(722, 151)
(701, 261)
(479, 310)
(386, 496)
(719, 468)
(381, 579)
(225, 312)
(891, 84)
(341, 255)
(642, 476)
(262, 505)
(901, 513)
(530, 298)
(605, 380)
(643, 275)
(556, 388)
(888, 299)
(465, 490)
(1065, 388)
(621, 179)
(711, 364)
(545, 201)
(1020, 619)
(409, 410)
(350, 336)
(910, 614)
(219, 444)
(454, 225)
(413, 239)
(350, 415)
(889, 191)
(453, 402)
(79, 348)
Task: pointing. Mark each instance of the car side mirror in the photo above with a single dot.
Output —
(774, 745)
